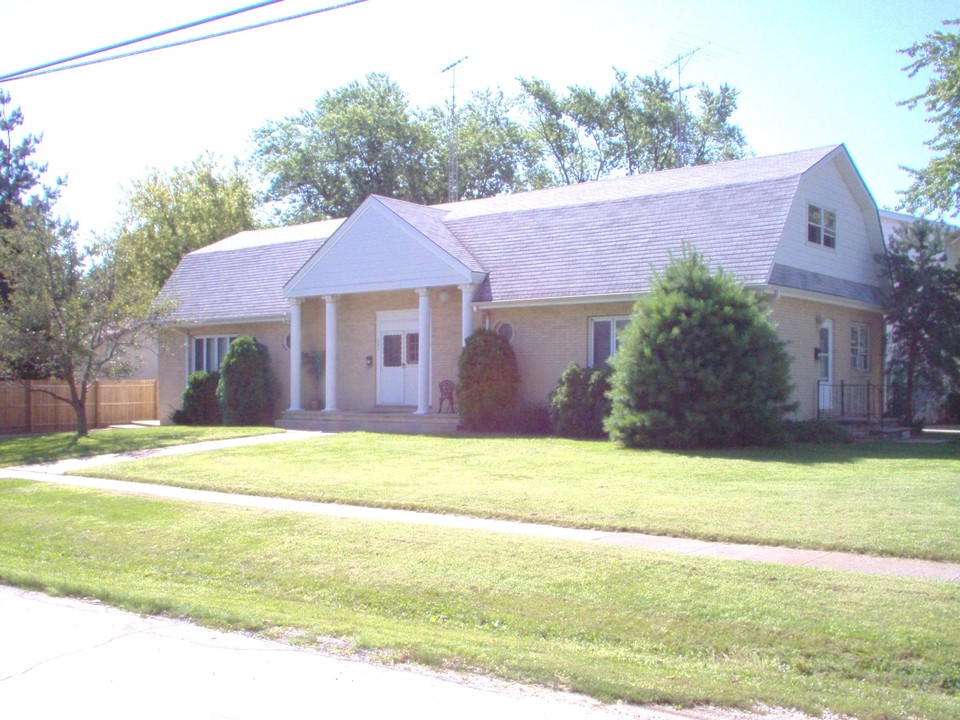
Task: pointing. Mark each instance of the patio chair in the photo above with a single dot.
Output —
(446, 393)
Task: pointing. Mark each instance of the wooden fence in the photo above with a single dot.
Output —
(24, 410)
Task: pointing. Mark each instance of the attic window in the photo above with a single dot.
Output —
(821, 226)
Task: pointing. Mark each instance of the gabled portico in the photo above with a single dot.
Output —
(387, 280)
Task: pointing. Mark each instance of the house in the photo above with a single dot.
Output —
(390, 293)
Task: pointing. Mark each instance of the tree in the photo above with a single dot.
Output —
(67, 315)
(497, 155)
(359, 140)
(922, 312)
(699, 365)
(641, 125)
(20, 175)
(168, 216)
(936, 188)
(575, 131)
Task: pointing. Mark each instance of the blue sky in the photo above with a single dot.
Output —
(810, 73)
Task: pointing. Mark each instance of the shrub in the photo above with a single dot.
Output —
(579, 404)
(952, 407)
(815, 431)
(532, 420)
(245, 391)
(699, 365)
(199, 402)
(488, 382)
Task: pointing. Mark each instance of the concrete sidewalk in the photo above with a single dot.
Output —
(62, 657)
(829, 560)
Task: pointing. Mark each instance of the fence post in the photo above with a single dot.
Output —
(28, 404)
(96, 403)
(816, 399)
(843, 398)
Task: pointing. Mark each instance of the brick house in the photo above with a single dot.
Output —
(390, 293)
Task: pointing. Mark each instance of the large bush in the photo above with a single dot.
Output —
(199, 402)
(579, 404)
(699, 365)
(488, 382)
(245, 391)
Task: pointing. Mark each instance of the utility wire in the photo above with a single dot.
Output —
(185, 26)
(53, 67)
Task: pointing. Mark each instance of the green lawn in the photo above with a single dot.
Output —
(614, 622)
(885, 498)
(27, 449)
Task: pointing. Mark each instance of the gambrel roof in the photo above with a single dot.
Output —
(241, 278)
(573, 243)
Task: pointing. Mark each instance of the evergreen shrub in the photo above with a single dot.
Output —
(699, 365)
(488, 383)
(198, 405)
(245, 391)
(579, 404)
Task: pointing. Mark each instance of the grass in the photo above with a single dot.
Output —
(883, 498)
(616, 623)
(29, 449)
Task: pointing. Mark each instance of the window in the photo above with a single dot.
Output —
(208, 352)
(860, 347)
(413, 348)
(821, 226)
(605, 338)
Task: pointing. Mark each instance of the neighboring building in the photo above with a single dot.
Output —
(890, 221)
(390, 293)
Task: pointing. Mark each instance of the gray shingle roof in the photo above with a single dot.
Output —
(593, 239)
(242, 277)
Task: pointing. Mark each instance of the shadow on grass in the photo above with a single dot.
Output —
(35, 449)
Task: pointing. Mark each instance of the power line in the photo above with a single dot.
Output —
(48, 68)
(185, 26)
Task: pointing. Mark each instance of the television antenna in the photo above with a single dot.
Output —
(453, 164)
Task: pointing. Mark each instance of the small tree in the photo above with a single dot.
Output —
(488, 383)
(66, 315)
(245, 390)
(699, 365)
(923, 313)
(579, 404)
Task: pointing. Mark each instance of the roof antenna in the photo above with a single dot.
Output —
(453, 163)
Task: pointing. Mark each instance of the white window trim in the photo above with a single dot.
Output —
(205, 338)
(822, 228)
(860, 361)
(614, 337)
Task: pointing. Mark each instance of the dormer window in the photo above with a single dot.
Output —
(821, 226)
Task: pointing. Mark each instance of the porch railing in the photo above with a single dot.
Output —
(850, 401)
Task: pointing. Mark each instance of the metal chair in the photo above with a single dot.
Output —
(446, 393)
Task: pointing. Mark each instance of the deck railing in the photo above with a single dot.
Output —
(850, 401)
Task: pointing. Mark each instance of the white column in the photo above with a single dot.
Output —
(466, 312)
(296, 317)
(423, 387)
(331, 342)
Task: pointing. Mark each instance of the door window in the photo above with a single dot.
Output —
(392, 351)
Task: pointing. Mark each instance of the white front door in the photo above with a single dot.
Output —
(398, 358)
(825, 365)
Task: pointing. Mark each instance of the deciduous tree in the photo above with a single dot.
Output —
(936, 188)
(362, 139)
(168, 215)
(67, 315)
